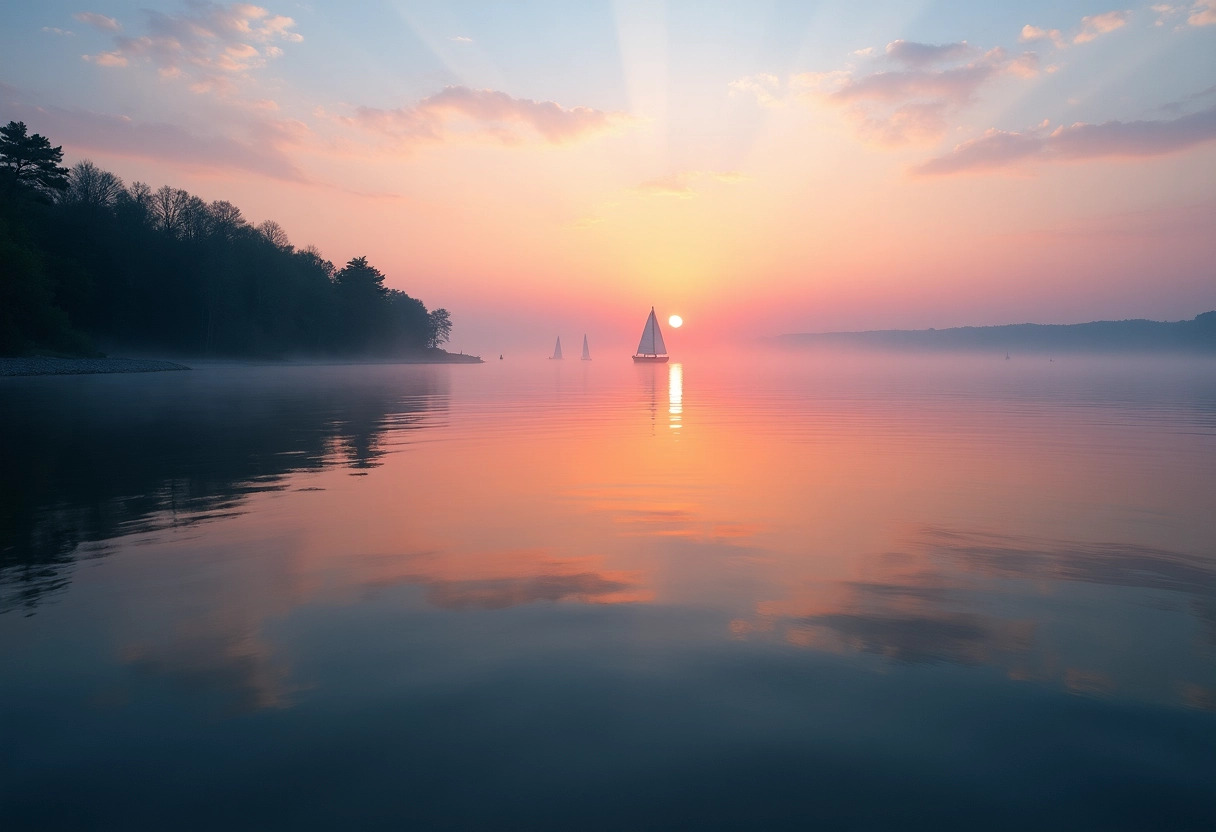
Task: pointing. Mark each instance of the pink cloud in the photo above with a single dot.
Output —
(764, 86)
(957, 84)
(1000, 149)
(895, 107)
(903, 106)
(98, 21)
(107, 59)
(1203, 13)
(1030, 34)
(680, 185)
(915, 54)
(262, 150)
(205, 45)
(492, 114)
(1100, 24)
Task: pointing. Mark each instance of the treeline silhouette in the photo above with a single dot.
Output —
(1194, 336)
(87, 262)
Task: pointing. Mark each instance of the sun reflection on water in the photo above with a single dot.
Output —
(675, 394)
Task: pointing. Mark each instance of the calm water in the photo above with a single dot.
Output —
(839, 593)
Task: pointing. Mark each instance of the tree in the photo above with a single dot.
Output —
(225, 218)
(440, 328)
(274, 233)
(90, 186)
(360, 279)
(363, 308)
(168, 208)
(411, 323)
(30, 161)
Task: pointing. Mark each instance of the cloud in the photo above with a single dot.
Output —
(765, 87)
(491, 114)
(912, 105)
(262, 151)
(1091, 27)
(211, 46)
(106, 59)
(1000, 149)
(1203, 13)
(1100, 24)
(680, 185)
(1166, 12)
(893, 107)
(1031, 34)
(98, 21)
(915, 54)
(53, 30)
(1200, 13)
(461, 39)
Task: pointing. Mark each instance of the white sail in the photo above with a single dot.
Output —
(557, 351)
(586, 350)
(652, 338)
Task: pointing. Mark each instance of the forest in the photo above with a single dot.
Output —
(89, 263)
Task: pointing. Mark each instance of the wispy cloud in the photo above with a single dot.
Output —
(1100, 24)
(54, 30)
(1090, 28)
(767, 88)
(461, 39)
(1199, 13)
(915, 54)
(914, 104)
(98, 21)
(1203, 13)
(1030, 34)
(681, 185)
(1134, 139)
(212, 46)
(260, 145)
(457, 110)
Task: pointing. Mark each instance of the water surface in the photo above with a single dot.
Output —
(858, 592)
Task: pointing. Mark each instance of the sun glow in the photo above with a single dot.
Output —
(676, 321)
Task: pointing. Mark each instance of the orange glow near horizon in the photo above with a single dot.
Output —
(853, 192)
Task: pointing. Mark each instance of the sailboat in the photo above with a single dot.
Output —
(557, 351)
(651, 348)
(586, 350)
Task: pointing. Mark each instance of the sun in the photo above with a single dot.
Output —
(676, 321)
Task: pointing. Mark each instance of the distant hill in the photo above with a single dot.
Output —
(1195, 336)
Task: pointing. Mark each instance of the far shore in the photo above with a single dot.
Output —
(57, 366)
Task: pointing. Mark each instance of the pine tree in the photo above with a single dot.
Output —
(29, 161)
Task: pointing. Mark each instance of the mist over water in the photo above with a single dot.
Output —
(742, 590)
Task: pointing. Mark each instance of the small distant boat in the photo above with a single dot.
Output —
(651, 348)
(586, 350)
(557, 351)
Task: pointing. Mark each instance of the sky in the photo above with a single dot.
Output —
(556, 168)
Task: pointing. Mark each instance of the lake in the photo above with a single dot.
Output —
(761, 592)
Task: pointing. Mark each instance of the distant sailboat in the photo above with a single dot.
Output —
(586, 350)
(651, 348)
(557, 351)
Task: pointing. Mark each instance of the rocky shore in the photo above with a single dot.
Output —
(42, 366)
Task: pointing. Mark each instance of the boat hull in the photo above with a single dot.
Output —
(651, 359)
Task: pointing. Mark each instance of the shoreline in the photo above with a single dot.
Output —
(52, 366)
(48, 366)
